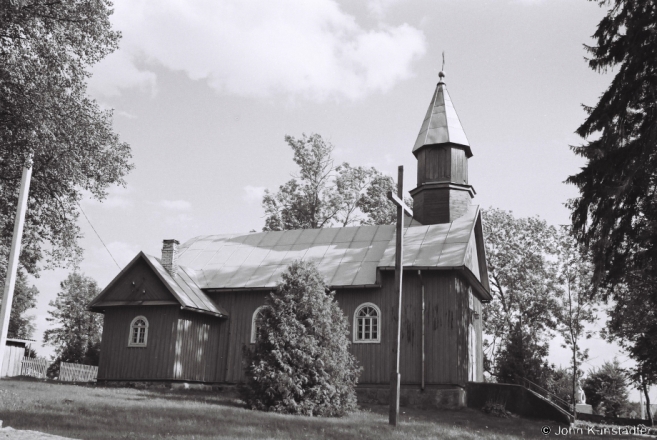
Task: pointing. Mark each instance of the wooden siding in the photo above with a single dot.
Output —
(459, 166)
(153, 362)
(196, 357)
(236, 333)
(193, 347)
(147, 286)
(446, 332)
(442, 164)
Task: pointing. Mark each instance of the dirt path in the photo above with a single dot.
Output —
(16, 434)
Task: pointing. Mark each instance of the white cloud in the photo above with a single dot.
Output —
(254, 193)
(175, 205)
(379, 8)
(259, 48)
(117, 197)
(118, 71)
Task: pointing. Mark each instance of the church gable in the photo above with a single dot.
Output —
(136, 284)
(144, 281)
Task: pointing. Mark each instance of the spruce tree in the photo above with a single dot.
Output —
(300, 363)
(616, 212)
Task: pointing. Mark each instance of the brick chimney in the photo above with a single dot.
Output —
(170, 255)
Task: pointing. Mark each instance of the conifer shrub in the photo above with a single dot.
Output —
(300, 363)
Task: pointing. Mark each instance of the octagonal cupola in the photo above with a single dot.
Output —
(442, 151)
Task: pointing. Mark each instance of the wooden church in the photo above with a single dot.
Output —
(186, 316)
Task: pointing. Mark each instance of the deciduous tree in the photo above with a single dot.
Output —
(300, 363)
(576, 306)
(524, 283)
(77, 331)
(323, 194)
(46, 51)
(606, 389)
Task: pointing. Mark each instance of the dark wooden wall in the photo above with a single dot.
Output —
(446, 328)
(236, 332)
(153, 362)
(442, 164)
(181, 345)
(446, 333)
(147, 286)
(190, 346)
(196, 357)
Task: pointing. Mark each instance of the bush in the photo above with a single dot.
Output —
(300, 363)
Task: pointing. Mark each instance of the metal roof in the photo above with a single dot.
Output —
(182, 286)
(441, 124)
(346, 256)
(185, 289)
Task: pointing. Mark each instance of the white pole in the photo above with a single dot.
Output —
(12, 264)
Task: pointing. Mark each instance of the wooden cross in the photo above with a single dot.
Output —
(395, 377)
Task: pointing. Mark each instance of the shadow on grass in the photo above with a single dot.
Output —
(91, 412)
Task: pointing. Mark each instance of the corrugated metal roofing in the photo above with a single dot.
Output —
(344, 256)
(185, 289)
(441, 124)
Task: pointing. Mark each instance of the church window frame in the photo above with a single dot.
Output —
(254, 322)
(367, 326)
(138, 336)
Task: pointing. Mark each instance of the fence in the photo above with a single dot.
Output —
(34, 367)
(77, 372)
(567, 407)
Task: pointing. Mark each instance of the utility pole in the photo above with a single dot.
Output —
(12, 264)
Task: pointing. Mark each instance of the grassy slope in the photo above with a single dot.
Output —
(88, 412)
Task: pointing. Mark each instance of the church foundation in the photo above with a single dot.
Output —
(438, 397)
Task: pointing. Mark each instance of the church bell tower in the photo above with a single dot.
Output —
(442, 151)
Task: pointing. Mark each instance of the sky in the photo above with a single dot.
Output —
(205, 91)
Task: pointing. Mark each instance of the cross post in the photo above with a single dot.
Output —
(395, 376)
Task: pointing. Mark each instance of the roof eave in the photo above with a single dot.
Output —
(464, 147)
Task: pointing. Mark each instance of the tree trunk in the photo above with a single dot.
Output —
(645, 393)
(574, 381)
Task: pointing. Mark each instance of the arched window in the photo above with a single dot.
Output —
(256, 322)
(367, 323)
(138, 332)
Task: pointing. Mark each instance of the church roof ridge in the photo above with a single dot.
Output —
(441, 124)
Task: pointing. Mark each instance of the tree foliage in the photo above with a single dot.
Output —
(616, 211)
(606, 390)
(76, 337)
(323, 195)
(577, 307)
(46, 50)
(524, 283)
(21, 325)
(300, 363)
(525, 356)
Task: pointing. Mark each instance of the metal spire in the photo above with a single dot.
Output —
(441, 124)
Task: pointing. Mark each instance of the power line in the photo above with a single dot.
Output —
(98, 235)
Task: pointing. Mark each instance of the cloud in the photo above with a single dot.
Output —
(254, 193)
(175, 205)
(117, 72)
(259, 48)
(379, 8)
(117, 197)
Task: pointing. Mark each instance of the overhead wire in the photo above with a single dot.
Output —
(98, 235)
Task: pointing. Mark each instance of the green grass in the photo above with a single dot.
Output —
(90, 412)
